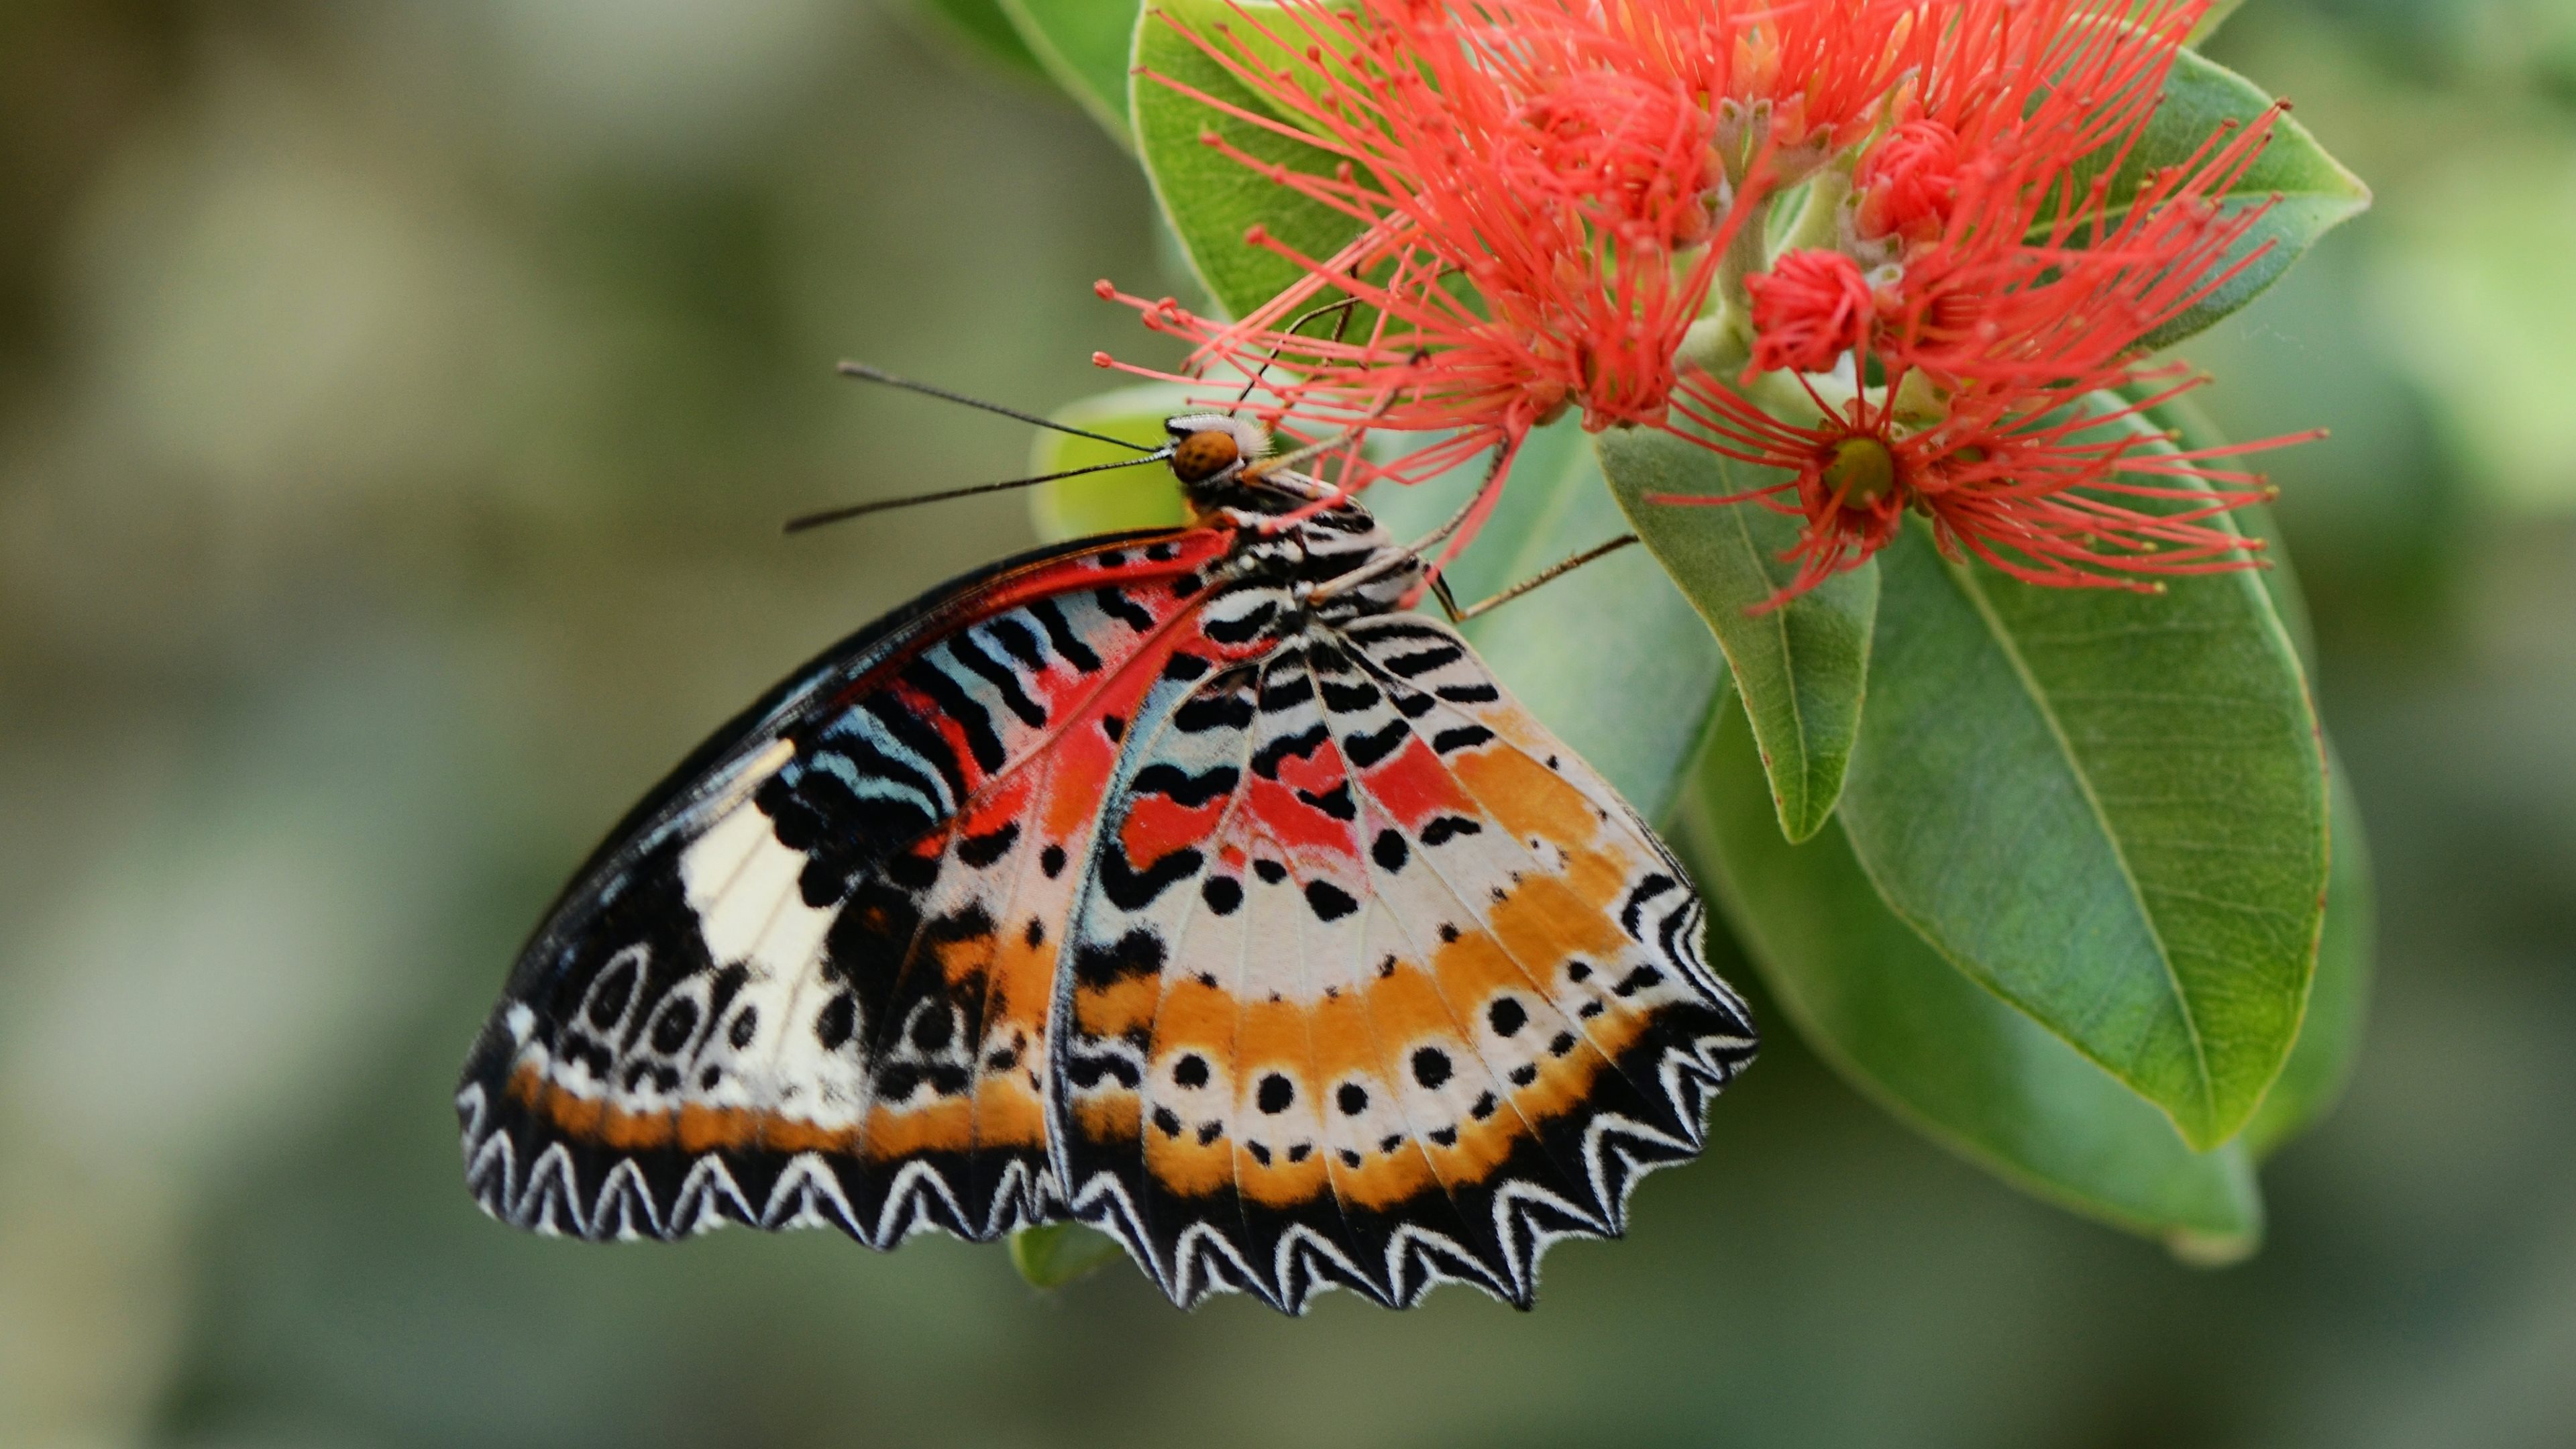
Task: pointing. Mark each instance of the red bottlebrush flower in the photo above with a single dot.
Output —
(1545, 189)
(2012, 301)
(2057, 486)
(1908, 183)
(1808, 310)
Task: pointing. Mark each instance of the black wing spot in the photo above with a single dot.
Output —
(1274, 1095)
(1484, 1108)
(1445, 1136)
(1051, 861)
(1036, 933)
(1130, 889)
(835, 1023)
(1445, 828)
(1329, 902)
(1223, 894)
(1468, 693)
(1578, 971)
(1114, 727)
(745, 1023)
(1524, 1074)
(1125, 610)
(1564, 1043)
(1352, 1099)
(707, 1079)
(1270, 871)
(1138, 953)
(1301, 1152)
(1184, 667)
(1168, 1122)
(1210, 1131)
(678, 1023)
(1431, 1067)
(1365, 750)
(1588, 1010)
(1422, 661)
(980, 851)
(1350, 1158)
(1063, 638)
(1386, 968)
(1389, 851)
(1506, 1016)
(934, 1029)
(1335, 803)
(1450, 741)
(1638, 980)
(1245, 629)
(1191, 1071)
(1266, 760)
(1390, 1142)
(1183, 788)
(1260, 1153)
(1448, 932)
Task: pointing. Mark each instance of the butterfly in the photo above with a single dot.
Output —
(1179, 882)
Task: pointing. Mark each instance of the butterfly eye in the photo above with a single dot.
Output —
(1204, 454)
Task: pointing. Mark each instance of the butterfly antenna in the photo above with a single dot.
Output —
(1348, 307)
(1546, 575)
(865, 373)
(818, 518)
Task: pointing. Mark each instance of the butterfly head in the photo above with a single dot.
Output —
(1223, 462)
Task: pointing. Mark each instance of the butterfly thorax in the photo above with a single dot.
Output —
(1335, 561)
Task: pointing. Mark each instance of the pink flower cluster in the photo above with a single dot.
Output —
(1897, 252)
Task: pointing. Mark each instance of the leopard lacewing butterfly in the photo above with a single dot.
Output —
(1178, 882)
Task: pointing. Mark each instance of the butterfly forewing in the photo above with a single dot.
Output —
(809, 980)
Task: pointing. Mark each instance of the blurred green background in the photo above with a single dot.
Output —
(398, 399)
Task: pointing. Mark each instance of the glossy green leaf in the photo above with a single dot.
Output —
(1056, 1254)
(1800, 668)
(2307, 192)
(1910, 1031)
(2109, 808)
(1085, 45)
(1141, 497)
(981, 27)
(1211, 201)
(1611, 656)
(2330, 1035)
(2338, 998)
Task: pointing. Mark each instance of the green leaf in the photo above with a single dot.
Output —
(2307, 191)
(1141, 497)
(2338, 998)
(1210, 200)
(1085, 45)
(2339, 1001)
(981, 27)
(1611, 656)
(1056, 1254)
(2109, 808)
(2212, 18)
(1799, 668)
(1908, 1030)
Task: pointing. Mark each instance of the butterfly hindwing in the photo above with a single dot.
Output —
(1412, 993)
(810, 980)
